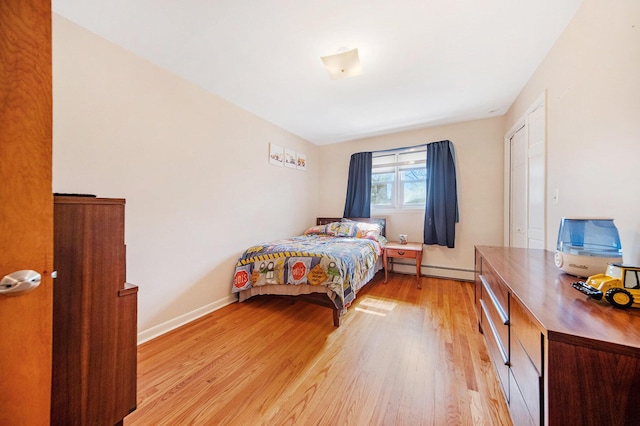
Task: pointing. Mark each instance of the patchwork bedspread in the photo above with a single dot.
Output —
(341, 264)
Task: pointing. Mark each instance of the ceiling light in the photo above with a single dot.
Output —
(343, 64)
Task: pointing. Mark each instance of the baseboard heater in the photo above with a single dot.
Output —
(447, 268)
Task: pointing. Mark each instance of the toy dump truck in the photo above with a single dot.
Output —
(620, 285)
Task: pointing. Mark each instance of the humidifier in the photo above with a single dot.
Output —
(587, 245)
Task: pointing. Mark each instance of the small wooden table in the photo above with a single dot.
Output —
(406, 251)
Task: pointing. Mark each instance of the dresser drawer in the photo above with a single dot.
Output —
(499, 324)
(495, 286)
(497, 352)
(528, 379)
(408, 254)
(526, 328)
(477, 285)
(518, 409)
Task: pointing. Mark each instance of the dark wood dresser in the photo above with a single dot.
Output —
(94, 314)
(561, 358)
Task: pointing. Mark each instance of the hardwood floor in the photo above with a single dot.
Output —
(402, 356)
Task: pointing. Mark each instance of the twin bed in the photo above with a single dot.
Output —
(327, 265)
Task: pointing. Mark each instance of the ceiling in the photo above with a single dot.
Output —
(426, 62)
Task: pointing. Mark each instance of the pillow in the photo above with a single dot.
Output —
(316, 230)
(381, 239)
(341, 229)
(347, 229)
(332, 228)
(367, 230)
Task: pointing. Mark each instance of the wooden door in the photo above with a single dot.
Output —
(26, 209)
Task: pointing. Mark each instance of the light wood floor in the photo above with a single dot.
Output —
(403, 356)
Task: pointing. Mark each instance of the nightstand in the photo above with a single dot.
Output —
(405, 251)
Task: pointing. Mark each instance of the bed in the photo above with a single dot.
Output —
(327, 265)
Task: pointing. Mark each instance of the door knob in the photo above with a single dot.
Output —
(19, 282)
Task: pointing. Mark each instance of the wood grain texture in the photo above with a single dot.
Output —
(95, 315)
(541, 287)
(407, 251)
(574, 360)
(608, 386)
(402, 356)
(26, 209)
(382, 221)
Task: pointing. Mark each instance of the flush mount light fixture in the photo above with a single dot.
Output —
(343, 65)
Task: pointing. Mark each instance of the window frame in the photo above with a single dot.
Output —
(396, 166)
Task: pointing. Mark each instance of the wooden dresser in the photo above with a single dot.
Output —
(560, 357)
(94, 314)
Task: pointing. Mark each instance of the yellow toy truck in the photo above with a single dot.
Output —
(620, 285)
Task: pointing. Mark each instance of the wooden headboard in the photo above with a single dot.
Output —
(382, 221)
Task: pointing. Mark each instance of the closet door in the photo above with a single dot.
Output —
(518, 193)
(536, 178)
(526, 177)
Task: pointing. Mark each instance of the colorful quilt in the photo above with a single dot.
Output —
(342, 264)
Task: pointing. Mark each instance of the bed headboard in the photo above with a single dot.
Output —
(382, 221)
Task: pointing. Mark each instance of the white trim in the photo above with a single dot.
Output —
(405, 210)
(396, 167)
(521, 122)
(181, 320)
(506, 236)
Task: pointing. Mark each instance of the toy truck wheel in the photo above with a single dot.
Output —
(619, 297)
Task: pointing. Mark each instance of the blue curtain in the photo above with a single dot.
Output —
(358, 203)
(441, 210)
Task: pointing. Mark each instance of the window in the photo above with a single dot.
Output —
(632, 279)
(398, 179)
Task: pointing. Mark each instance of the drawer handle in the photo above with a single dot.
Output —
(496, 337)
(494, 300)
(401, 253)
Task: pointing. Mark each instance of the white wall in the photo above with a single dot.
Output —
(199, 189)
(479, 157)
(193, 168)
(592, 80)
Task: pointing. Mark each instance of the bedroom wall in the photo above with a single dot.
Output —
(479, 157)
(592, 82)
(193, 168)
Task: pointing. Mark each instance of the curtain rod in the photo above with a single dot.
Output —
(409, 147)
(399, 149)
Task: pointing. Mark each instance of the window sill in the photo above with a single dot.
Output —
(396, 211)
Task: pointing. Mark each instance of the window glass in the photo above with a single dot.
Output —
(382, 185)
(631, 279)
(414, 191)
(398, 179)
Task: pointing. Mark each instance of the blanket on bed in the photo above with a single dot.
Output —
(341, 264)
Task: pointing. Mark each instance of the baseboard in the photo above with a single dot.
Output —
(435, 271)
(165, 327)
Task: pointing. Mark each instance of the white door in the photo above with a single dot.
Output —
(526, 177)
(536, 172)
(518, 189)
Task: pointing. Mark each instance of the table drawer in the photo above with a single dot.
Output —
(409, 254)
